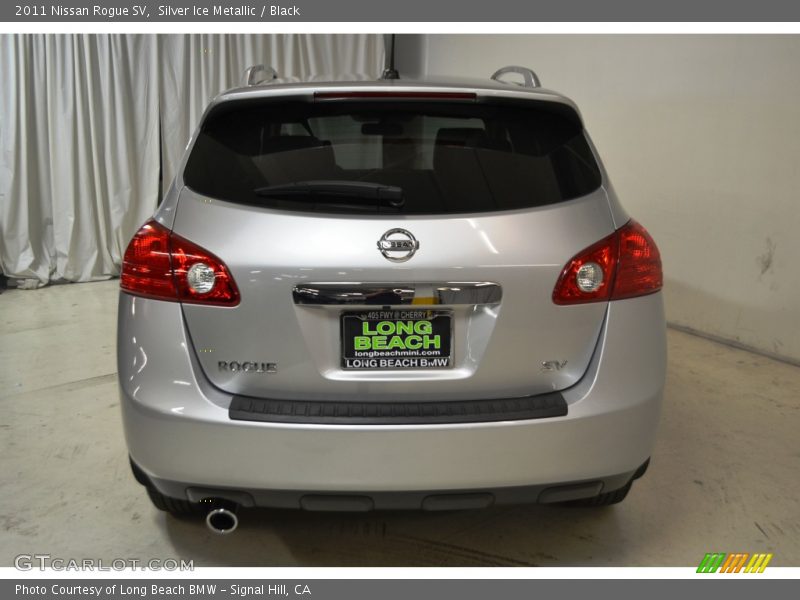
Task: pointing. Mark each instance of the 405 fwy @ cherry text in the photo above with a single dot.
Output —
(155, 590)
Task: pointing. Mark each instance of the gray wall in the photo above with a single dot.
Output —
(701, 136)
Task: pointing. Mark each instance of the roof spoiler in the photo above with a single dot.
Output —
(531, 80)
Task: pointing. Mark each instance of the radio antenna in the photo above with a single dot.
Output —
(389, 72)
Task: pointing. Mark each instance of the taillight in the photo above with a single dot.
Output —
(200, 276)
(623, 265)
(163, 265)
(639, 266)
(146, 267)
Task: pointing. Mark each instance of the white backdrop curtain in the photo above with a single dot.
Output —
(79, 142)
(89, 124)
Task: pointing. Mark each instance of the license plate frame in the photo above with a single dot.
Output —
(396, 358)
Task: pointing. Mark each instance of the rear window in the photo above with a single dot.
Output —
(435, 157)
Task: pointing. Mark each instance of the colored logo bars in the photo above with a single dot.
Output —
(734, 563)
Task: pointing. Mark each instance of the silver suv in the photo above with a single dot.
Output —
(390, 294)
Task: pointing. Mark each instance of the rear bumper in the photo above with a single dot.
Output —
(180, 435)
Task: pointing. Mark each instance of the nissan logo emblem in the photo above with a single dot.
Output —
(398, 245)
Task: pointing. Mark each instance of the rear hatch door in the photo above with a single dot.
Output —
(346, 292)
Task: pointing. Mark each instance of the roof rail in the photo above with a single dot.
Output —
(251, 74)
(531, 80)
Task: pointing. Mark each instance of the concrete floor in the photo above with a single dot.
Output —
(724, 475)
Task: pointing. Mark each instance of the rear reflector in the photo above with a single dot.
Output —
(630, 265)
(158, 264)
(390, 95)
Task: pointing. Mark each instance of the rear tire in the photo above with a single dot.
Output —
(174, 506)
(606, 499)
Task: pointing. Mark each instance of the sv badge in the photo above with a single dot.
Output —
(553, 365)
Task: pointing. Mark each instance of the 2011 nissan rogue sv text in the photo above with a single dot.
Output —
(389, 294)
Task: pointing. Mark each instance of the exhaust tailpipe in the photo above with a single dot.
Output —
(222, 520)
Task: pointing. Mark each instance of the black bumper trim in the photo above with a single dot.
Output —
(361, 501)
(365, 501)
(244, 408)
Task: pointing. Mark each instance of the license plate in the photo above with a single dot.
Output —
(397, 339)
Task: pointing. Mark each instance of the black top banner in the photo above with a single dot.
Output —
(198, 11)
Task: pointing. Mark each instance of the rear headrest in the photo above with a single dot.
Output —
(461, 136)
(452, 143)
(287, 158)
(287, 143)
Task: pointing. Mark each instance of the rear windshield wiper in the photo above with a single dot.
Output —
(349, 192)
